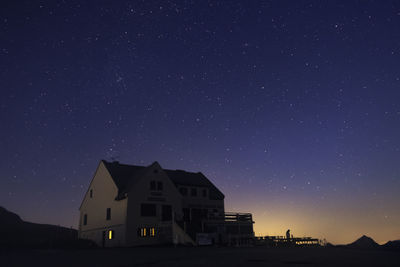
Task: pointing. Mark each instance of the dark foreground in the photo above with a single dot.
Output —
(200, 256)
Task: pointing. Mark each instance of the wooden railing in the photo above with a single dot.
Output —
(232, 217)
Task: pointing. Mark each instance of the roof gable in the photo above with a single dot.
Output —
(123, 175)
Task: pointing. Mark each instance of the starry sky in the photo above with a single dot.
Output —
(292, 108)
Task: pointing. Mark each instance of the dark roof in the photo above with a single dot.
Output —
(125, 175)
(180, 177)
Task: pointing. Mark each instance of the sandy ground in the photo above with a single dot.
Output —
(200, 256)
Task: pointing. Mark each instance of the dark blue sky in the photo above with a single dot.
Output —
(292, 108)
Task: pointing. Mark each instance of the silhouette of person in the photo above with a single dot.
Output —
(288, 234)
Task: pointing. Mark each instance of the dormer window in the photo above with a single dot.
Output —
(159, 186)
(156, 186)
(91, 193)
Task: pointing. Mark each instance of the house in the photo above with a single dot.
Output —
(127, 205)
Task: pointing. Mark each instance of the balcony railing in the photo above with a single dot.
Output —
(232, 217)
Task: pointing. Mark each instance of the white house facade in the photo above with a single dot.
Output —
(127, 205)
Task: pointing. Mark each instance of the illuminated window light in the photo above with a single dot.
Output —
(110, 234)
(152, 231)
(143, 232)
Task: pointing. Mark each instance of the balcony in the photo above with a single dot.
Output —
(230, 217)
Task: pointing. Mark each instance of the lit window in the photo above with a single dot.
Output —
(152, 231)
(110, 234)
(143, 232)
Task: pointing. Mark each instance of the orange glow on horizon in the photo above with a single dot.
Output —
(340, 223)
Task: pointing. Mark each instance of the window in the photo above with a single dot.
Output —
(108, 216)
(142, 232)
(204, 192)
(91, 193)
(152, 231)
(111, 234)
(184, 191)
(193, 192)
(152, 185)
(85, 219)
(159, 186)
(148, 210)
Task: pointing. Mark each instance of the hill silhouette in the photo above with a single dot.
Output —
(392, 245)
(364, 242)
(8, 218)
(15, 232)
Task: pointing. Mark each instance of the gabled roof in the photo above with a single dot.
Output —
(125, 175)
(180, 177)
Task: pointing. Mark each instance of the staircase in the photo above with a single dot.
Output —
(180, 236)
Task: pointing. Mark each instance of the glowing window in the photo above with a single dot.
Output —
(152, 231)
(143, 232)
(110, 234)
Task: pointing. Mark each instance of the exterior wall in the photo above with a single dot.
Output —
(104, 193)
(141, 193)
(202, 202)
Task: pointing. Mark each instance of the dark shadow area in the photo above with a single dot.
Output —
(16, 233)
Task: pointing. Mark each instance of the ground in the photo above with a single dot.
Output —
(200, 256)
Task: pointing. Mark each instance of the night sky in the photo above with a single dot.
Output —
(292, 108)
